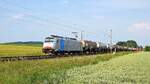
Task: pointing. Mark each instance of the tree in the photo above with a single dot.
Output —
(147, 48)
(132, 43)
(129, 43)
(121, 43)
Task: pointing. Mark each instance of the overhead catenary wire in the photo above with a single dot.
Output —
(42, 19)
(38, 18)
(64, 27)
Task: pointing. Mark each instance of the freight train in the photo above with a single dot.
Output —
(65, 45)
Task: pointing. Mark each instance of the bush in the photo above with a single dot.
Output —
(147, 48)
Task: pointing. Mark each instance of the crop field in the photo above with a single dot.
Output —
(49, 71)
(103, 68)
(20, 50)
(130, 69)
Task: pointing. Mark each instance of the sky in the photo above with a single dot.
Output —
(33, 20)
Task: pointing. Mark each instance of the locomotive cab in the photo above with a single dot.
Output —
(49, 44)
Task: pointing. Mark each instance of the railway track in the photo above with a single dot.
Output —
(21, 58)
(39, 57)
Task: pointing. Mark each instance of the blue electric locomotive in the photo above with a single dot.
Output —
(60, 45)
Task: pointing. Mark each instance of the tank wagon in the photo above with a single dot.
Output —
(118, 48)
(89, 46)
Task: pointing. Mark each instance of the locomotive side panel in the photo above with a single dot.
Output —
(72, 45)
(67, 45)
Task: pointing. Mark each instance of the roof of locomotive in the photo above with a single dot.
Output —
(56, 36)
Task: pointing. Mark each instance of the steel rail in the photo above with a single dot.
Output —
(39, 57)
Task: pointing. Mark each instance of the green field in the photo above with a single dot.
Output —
(130, 69)
(29, 43)
(20, 50)
(96, 69)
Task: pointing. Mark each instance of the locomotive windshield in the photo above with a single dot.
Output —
(49, 39)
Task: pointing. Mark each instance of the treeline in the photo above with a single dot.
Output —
(129, 43)
(147, 48)
(29, 43)
(132, 44)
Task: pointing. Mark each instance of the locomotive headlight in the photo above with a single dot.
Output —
(48, 45)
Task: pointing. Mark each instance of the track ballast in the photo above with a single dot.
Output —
(21, 58)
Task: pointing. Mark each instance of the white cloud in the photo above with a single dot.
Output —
(65, 2)
(18, 16)
(115, 5)
(140, 27)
